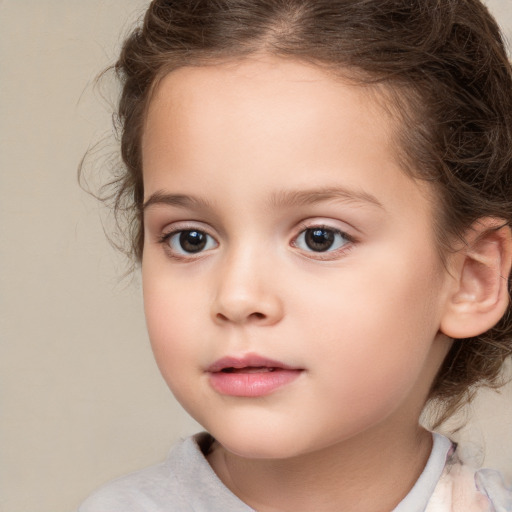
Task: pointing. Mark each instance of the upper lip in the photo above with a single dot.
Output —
(247, 361)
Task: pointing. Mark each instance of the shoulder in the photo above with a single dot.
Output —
(159, 488)
(183, 482)
(152, 489)
(463, 488)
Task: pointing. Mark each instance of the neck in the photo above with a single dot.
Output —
(372, 471)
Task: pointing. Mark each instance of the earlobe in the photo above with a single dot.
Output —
(481, 268)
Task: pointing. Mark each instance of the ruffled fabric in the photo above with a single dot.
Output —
(462, 488)
(491, 484)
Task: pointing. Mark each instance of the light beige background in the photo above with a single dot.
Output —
(81, 400)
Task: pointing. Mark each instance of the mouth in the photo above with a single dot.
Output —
(253, 363)
(250, 376)
(250, 369)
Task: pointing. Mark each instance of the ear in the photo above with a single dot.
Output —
(479, 296)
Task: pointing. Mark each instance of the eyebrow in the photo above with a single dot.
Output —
(287, 198)
(182, 200)
(280, 199)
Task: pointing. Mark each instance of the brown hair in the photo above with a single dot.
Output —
(445, 65)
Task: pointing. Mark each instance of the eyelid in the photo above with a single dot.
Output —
(186, 225)
(326, 223)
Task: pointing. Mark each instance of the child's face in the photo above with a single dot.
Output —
(281, 232)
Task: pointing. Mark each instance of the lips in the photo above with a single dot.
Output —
(250, 376)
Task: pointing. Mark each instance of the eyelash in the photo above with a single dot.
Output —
(325, 255)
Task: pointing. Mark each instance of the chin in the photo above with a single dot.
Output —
(261, 442)
(254, 441)
(259, 448)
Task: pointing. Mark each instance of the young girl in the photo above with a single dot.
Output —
(322, 200)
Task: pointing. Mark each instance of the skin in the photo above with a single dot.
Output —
(264, 149)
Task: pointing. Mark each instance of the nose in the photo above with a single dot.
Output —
(247, 292)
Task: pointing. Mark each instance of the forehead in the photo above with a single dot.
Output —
(259, 100)
(252, 88)
(237, 120)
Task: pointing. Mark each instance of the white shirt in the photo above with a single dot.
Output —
(186, 482)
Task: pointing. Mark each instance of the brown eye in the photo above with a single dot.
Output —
(321, 239)
(189, 242)
(193, 241)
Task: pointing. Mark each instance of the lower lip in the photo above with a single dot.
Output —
(252, 384)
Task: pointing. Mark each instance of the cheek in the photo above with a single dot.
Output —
(174, 344)
(171, 318)
(380, 325)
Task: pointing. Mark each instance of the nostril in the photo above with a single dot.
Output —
(256, 316)
(227, 318)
